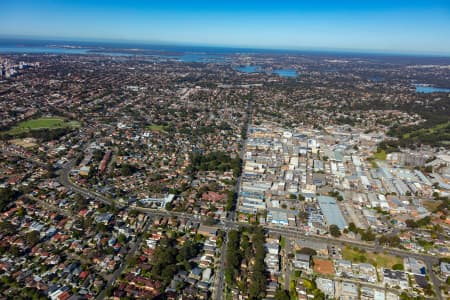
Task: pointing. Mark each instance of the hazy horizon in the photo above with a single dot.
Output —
(403, 27)
(95, 42)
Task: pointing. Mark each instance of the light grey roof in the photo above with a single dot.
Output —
(331, 211)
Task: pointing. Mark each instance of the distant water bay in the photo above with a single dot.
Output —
(184, 54)
(286, 72)
(256, 69)
(39, 50)
(423, 88)
(54, 50)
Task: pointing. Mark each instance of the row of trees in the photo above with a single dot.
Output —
(258, 279)
(230, 201)
(233, 257)
(248, 245)
(419, 223)
(369, 235)
(337, 195)
(366, 235)
(390, 240)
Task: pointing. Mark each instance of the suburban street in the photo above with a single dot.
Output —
(220, 279)
(123, 265)
(287, 232)
(286, 265)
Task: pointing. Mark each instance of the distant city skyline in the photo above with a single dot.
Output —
(379, 26)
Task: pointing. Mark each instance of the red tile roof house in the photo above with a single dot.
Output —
(213, 197)
(138, 284)
(10, 212)
(83, 275)
(64, 296)
(83, 212)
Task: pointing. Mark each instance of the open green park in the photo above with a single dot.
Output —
(377, 259)
(41, 123)
(157, 128)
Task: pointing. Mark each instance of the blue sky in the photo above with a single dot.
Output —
(391, 26)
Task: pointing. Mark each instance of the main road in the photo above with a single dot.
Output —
(219, 281)
(230, 223)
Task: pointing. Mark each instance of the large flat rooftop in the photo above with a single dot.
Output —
(331, 211)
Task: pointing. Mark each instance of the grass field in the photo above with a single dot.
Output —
(378, 259)
(380, 155)
(440, 128)
(157, 128)
(41, 123)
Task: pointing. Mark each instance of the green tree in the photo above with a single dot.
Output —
(307, 251)
(122, 239)
(281, 294)
(367, 235)
(187, 251)
(7, 195)
(169, 206)
(127, 170)
(424, 221)
(132, 260)
(233, 258)
(258, 278)
(411, 223)
(230, 200)
(33, 237)
(303, 216)
(334, 230)
(20, 211)
(209, 221)
(352, 227)
(390, 240)
(405, 296)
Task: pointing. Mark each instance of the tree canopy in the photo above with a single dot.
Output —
(7, 196)
(334, 230)
(215, 161)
